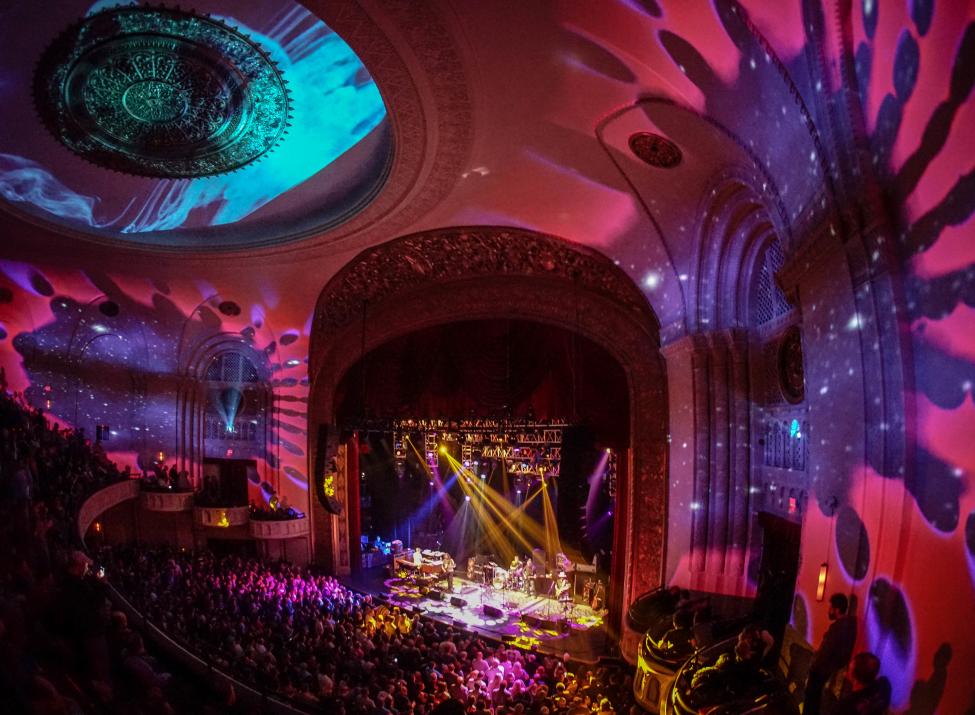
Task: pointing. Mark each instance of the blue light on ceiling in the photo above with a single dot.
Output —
(335, 104)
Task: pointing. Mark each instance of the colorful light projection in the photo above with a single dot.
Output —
(334, 106)
(97, 349)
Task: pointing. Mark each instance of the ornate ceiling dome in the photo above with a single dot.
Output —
(236, 125)
(161, 92)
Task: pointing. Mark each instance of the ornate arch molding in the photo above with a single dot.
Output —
(444, 276)
(735, 225)
(191, 396)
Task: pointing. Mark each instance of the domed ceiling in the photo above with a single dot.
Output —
(234, 124)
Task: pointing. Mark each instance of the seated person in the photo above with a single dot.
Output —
(680, 638)
(739, 669)
(868, 694)
(703, 628)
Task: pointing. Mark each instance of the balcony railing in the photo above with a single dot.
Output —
(279, 528)
(170, 501)
(221, 517)
(103, 500)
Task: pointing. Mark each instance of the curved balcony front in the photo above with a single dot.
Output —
(103, 500)
(279, 528)
(221, 517)
(167, 501)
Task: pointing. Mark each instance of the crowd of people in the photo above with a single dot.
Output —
(275, 510)
(166, 479)
(285, 630)
(304, 636)
(62, 651)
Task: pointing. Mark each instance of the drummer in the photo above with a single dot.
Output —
(515, 564)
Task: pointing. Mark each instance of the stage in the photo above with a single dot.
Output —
(538, 622)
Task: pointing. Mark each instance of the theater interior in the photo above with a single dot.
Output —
(346, 344)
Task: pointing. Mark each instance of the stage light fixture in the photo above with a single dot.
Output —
(443, 449)
(467, 497)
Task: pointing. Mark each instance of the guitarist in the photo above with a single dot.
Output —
(563, 592)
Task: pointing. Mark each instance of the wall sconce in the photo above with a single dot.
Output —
(831, 505)
(821, 584)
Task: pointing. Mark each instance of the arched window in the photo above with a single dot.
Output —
(235, 404)
(231, 367)
(768, 301)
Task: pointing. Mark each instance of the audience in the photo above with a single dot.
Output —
(304, 636)
(60, 646)
(283, 629)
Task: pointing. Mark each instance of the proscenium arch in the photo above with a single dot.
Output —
(449, 275)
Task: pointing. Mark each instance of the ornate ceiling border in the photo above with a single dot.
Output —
(418, 69)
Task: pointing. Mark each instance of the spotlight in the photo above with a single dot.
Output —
(443, 449)
(467, 497)
(483, 476)
(431, 482)
(467, 462)
(609, 513)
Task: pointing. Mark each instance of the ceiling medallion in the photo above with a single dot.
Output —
(655, 150)
(161, 92)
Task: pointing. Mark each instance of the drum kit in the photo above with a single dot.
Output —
(499, 578)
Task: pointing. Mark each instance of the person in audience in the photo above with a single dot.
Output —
(679, 638)
(866, 694)
(833, 653)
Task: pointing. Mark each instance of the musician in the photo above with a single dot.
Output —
(529, 577)
(587, 590)
(563, 591)
(515, 564)
(470, 568)
(598, 597)
(448, 567)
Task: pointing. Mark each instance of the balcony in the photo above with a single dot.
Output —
(103, 500)
(167, 500)
(279, 528)
(221, 517)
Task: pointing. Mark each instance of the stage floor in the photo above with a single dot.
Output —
(526, 621)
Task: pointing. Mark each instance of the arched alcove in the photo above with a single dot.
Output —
(457, 274)
(224, 405)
